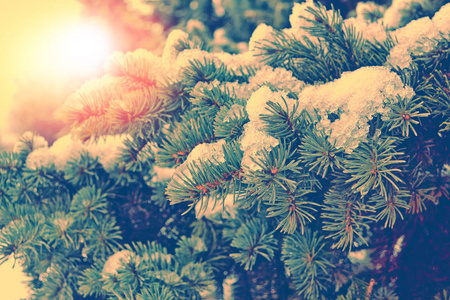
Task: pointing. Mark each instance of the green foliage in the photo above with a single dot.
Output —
(308, 263)
(371, 167)
(340, 48)
(253, 240)
(347, 217)
(317, 153)
(254, 206)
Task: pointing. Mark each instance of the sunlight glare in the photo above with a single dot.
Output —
(81, 48)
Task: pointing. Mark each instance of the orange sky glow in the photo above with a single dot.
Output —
(46, 39)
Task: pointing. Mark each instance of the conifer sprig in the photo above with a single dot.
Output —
(307, 262)
(283, 123)
(404, 114)
(229, 121)
(252, 240)
(319, 154)
(347, 217)
(208, 180)
(372, 166)
(188, 133)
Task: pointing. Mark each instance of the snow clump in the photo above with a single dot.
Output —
(170, 53)
(226, 208)
(57, 155)
(354, 102)
(115, 261)
(262, 33)
(417, 37)
(202, 153)
(279, 78)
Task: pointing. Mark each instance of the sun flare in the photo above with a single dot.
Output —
(80, 48)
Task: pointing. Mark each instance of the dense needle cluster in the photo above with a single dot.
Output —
(313, 166)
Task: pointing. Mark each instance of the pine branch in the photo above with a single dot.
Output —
(253, 240)
(392, 206)
(191, 131)
(347, 217)
(133, 69)
(307, 263)
(372, 167)
(202, 180)
(403, 113)
(208, 99)
(204, 71)
(229, 121)
(284, 124)
(316, 152)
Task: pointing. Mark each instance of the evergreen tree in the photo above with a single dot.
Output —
(313, 166)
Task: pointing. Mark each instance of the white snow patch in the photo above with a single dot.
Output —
(170, 53)
(262, 33)
(370, 31)
(355, 97)
(253, 141)
(280, 78)
(226, 208)
(107, 150)
(38, 141)
(115, 261)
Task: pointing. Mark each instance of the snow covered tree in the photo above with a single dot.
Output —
(313, 166)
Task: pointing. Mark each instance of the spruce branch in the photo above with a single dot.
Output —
(347, 217)
(191, 42)
(372, 166)
(279, 172)
(404, 113)
(86, 110)
(83, 170)
(191, 131)
(391, 207)
(91, 280)
(136, 155)
(229, 121)
(201, 181)
(208, 99)
(103, 238)
(307, 262)
(29, 142)
(58, 285)
(435, 93)
(156, 292)
(89, 204)
(21, 238)
(253, 240)
(292, 211)
(140, 113)
(61, 231)
(204, 71)
(133, 70)
(316, 152)
(284, 124)
(242, 73)
(307, 60)
(421, 192)
(10, 164)
(437, 58)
